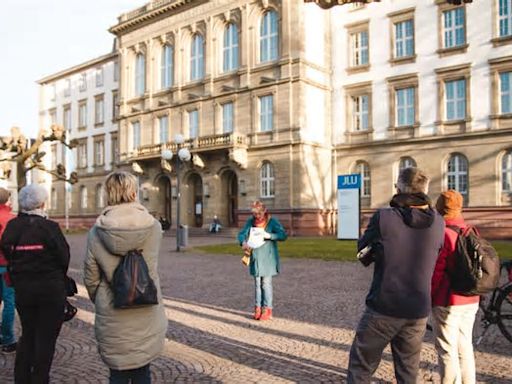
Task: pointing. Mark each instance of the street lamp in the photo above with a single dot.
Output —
(183, 156)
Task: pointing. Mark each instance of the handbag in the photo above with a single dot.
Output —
(70, 285)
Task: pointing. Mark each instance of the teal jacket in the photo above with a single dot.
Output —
(265, 259)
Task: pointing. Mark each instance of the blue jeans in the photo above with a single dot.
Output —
(8, 336)
(140, 375)
(263, 291)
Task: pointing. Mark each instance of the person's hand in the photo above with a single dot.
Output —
(266, 235)
(245, 247)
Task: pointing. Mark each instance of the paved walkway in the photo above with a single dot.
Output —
(212, 339)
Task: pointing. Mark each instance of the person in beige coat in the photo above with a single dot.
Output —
(128, 339)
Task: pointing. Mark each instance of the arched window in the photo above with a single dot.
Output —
(506, 172)
(140, 74)
(167, 67)
(197, 58)
(230, 48)
(457, 175)
(267, 179)
(406, 162)
(363, 169)
(100, 196)
(83, 197)
(269, 37)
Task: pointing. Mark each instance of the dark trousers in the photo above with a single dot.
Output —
(140, 375)
(374, 332)
(40, 325)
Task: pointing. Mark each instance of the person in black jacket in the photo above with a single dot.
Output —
(406, 239)
(38, 258)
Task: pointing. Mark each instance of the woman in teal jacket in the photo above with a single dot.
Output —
(264, 261)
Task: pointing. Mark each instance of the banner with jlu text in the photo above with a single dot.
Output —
(348, 206)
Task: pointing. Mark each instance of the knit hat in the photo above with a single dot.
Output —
(449, 204)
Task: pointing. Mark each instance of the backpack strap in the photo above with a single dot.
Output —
(455, 229)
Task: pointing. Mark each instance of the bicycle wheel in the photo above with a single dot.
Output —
(504, 312)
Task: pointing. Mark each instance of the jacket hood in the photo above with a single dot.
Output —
(124, 227)
(417, 217)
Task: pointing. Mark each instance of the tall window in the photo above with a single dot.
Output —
(405, 107)
(136, 134)
(163, 125)
(82, 155)
(266, 113)
(193, 124)
(83, 197)
(167, 67)
(67, 88)
(82, 82)
(54, 199)
(505, 18)
(227, 118)
(140, 74)
(453, 31)
(406, 162)
(458, 174)
(114, 150)
(230, 48)
(506, 92)
(404, 39)
(54, 156)
(506, 172)
(53, 116)
(100, 196)
(99, 108)
(363, 169)
(359, 48)
(116, 71)
(269, 37)
(67, 117)
(267, 180)
(82, 114)
(99, 77)
(99, 153)
(197, 58)
(115, 105)
(455, 99)
(360, 113)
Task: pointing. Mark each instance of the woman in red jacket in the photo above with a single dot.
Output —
(453, 315)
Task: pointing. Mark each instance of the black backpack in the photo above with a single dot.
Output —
(131, 283)
(477, 265)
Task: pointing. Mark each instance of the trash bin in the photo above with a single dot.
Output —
(183, 238)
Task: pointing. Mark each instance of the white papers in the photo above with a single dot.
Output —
(256, 239)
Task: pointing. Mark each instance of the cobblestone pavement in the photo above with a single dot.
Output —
(212, 339)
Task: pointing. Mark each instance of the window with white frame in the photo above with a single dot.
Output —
(269, 37)
(115, 105)
(114, 154)
(140, 74)
(135, 135)
(360, 121)
(230, 49)
(457, 174)
(52, 89)
(99, 77)
(505, 18)
(81, 154)
(455, 99)
(82, 82)
(99, 153)
(167, 66)
(116, 71)
(99, 107)
(505, 92)
(163, 129)
(359, 48)
(506, 172)
(193, 124)
(405, 107)
(100, 196)
(404, 39)
(197, 58)
(227, 117)
(363, 169)
(267, 179)
(67, 88)
(454, 34)
(83, 197)
(67, 117)
(53, 116)
(266, 113)
(82, 114)
(406, 162)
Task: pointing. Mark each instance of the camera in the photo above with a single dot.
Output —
(366, 255)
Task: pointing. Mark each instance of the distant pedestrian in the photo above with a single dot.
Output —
(264, 256)
(128, 339)
(405, 239)
(453, 315)
(38, 257)
(215, 226)
(8, 340)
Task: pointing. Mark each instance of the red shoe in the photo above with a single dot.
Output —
(267, 314)
(257, 313)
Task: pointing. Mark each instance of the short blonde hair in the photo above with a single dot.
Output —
(121, 187)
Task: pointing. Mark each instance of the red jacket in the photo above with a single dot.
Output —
(441, 292)
(5, 217)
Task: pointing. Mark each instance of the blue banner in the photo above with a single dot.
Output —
(352, 181)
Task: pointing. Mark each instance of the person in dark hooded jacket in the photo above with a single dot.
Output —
(405, 240)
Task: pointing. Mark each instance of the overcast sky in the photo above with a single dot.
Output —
(42, 37)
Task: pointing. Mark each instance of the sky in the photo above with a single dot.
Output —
(41, 37)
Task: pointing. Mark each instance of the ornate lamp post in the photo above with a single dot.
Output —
(183, 155)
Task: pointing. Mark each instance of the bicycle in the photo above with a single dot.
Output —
(499, 308)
